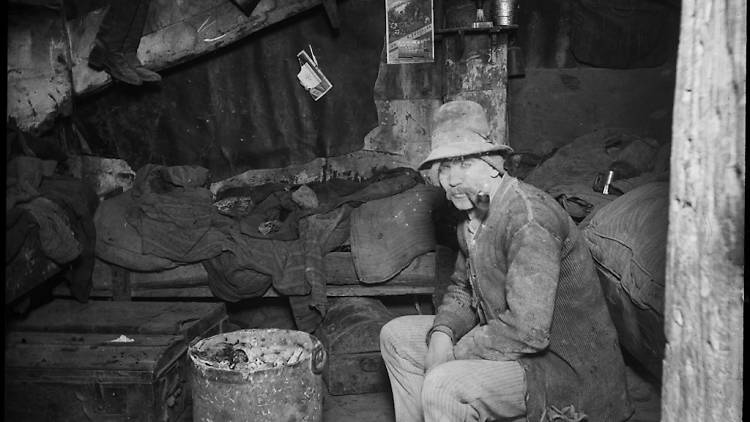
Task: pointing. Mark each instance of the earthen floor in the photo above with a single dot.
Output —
(378, 407)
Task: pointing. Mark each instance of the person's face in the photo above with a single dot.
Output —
(463, 178)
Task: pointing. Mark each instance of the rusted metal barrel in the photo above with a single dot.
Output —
(259, 375)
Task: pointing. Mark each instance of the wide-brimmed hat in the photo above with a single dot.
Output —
(461, 128)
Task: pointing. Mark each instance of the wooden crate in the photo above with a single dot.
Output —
(63, 365)
(351, 333)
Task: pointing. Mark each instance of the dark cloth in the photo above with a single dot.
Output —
(530, 285)
(23, 176)
(79, 202)
(277, 212)
(120, 243)
(19, 225)
(294, 268)
(122, 26)
(230, 281)
(580, 161)
(55, 234)
(174, 214)
(624, 34)
(63, 209)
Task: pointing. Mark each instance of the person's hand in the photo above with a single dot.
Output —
(440, 350)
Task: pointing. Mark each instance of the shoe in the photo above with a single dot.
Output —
(147, 75)
(114, 64)
(144, 73)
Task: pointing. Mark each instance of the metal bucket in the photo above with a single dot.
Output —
(258, 375)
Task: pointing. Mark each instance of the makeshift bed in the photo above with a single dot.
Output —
(168, 237)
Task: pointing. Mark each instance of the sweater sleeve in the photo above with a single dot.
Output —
(455, 315)
(523, 327)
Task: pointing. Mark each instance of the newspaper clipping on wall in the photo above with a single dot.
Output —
(410, 33)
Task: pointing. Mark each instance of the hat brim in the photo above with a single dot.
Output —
(471, 144)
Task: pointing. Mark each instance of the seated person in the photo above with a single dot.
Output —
(523, 332)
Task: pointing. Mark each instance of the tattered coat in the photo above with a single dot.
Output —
(525, 289)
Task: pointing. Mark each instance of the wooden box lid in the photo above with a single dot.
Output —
(189, 319)
(82, 358)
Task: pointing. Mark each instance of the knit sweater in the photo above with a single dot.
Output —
(525, 289)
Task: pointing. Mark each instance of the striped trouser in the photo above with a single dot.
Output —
(455, 391)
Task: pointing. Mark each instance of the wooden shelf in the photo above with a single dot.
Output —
(469, 29)
(204, 291)
(191, 281)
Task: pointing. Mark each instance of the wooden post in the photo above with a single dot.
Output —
(476, 68)
(702, 379)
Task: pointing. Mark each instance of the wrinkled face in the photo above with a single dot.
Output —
(463, 178)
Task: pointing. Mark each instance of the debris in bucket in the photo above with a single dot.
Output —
(243, 356)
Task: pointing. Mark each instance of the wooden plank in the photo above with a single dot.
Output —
(384, 290)
(357, 165)
(387, 289)
(59, 354)
(191, 281)
(184, 318)
(331, 291)
(38, 78)
(340, 269)
(704, 289)
(177, 32)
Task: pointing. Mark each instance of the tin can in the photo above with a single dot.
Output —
(503, 12)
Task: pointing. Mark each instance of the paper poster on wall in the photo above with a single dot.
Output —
(409, 31)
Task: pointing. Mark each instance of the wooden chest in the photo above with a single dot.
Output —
(190, 319)
(351, 333)
(113, 361)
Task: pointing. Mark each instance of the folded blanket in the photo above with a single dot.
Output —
(388, 233)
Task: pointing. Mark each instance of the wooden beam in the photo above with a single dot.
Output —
(177, 32)
(704, 296)
(247, 6)
(353, 166)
